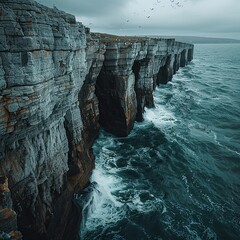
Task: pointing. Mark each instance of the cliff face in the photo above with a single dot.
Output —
(131, 70)
(57, 83)
(42, 67)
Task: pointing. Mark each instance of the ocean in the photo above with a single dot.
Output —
(177, 175)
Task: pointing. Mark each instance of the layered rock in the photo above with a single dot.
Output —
(58, 84)
(42, 68)
(131, 70)
(8, 217)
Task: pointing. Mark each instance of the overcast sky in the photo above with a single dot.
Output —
(207, 18)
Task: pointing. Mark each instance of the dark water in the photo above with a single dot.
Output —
(177, 175)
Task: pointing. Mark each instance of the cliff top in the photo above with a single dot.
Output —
(110, 38)
(105, 38)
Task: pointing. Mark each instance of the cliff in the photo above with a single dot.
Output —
(58, 84)
(131, 70)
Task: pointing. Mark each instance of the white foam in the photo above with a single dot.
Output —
(103, 208)
(106, 184)
(108, 159)
(160, 116)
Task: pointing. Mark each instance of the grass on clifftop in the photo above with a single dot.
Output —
(107, 38)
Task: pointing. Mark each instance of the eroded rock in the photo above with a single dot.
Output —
(58, 84)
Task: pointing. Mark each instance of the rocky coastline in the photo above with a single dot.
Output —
(59, 83)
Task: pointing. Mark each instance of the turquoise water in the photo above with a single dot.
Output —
(177, 175)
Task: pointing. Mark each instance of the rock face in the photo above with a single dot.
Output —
(42, 148)
(131, 70)
(8, 218)
(58, 84)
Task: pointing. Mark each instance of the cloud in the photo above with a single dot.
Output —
(156, 16)
(87, 8)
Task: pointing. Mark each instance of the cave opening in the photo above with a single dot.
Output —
(190, 55)
(111, 112)
(164, 75)
(139, 95)
(175, 64)
(183, 58)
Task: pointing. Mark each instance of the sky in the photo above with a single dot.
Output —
(205, 18)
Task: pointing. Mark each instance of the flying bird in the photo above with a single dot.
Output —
(178, 4)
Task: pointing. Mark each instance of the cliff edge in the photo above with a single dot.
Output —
(58, 84)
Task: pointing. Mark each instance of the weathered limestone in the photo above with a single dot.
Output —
(58, 84)
(42, 68)
(131, 70)
(8, 218)
(115, 88)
